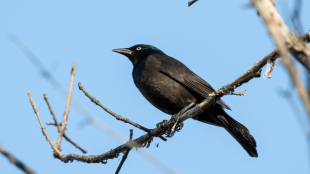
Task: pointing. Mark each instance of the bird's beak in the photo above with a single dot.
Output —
(124, 51)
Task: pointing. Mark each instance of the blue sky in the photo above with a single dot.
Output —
(218, 40)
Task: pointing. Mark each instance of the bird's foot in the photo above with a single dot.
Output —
(176, 128)
(163, 125)
(170, 129)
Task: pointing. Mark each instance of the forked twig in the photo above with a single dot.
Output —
(125, 155)
(36, 111)
(58, 125)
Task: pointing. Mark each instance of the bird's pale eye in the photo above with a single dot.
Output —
(138, 48)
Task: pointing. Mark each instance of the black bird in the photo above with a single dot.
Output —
(170, 86)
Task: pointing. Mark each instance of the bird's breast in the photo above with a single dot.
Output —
(160, 90)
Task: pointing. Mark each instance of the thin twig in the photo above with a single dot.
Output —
(302, 90)
(296, 16)
(49, 123)
(74, 144)
(125, 155)
(15, 161)
(237, 93)
(65, 117)
(89, 117)
(52, 112)
(36, 111)
(118, 117)
(58, 125)
(90, 159)
(192, 2)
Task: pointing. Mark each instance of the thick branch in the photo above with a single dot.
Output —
(65, 118)
(286, 41)
(16, 161)
(282, 34)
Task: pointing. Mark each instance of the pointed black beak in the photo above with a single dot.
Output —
(124, 51)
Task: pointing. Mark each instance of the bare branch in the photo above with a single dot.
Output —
(15, 161)
(74, 144)
(286, 41)
(36, 111)
(49, 123)
(237, 93)
(192, 2)
(303, 92)
(58, 125)
(118, 117)
(284, 38)
(52, 112)
(125, 155)
(296, 16)
(65, 118)
(89, 117)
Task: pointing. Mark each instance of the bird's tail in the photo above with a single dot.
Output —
(236, 129)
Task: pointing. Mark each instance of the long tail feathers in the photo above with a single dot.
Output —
(239, 132)
(217, 116)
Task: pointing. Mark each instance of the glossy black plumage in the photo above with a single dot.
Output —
(170, 86)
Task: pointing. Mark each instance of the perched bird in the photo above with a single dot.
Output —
(170, 86)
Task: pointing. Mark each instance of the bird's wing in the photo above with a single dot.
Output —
(180, 73)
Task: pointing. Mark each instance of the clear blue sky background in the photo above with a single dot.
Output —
(218, 40)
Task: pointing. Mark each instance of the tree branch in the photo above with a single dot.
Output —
(282, 34)
(36, 111)
(118, 117)
(58, 125)
(192, 2)
(302, 90)
(125, 155)
(65, 117)
(13, 160)
(286, 41)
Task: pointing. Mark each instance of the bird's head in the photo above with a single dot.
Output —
(138, 52)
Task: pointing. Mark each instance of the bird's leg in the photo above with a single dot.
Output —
(178, 126)
(183, 110)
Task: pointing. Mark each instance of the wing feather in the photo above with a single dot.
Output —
(179, 72)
